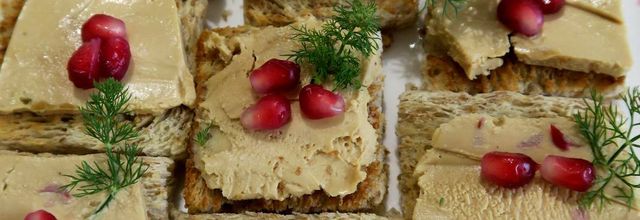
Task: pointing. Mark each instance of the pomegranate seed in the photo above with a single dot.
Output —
(115, 56)
(480, 123)
(40, 215)
(557, 137)
(521, 16)
(103, 26)
(318, 103)
(573, 173)
(275, 76)
(550, 6)
(270, 112)
(510, 170)
(84, 66)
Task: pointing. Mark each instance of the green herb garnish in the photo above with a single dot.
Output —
(203, 135)
(103, 120)
(441, 201)
(333, 50)
(612, 143)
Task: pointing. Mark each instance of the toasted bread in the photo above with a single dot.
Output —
(443, 74)
(177, 215)
(10, 11)
(394, 14)
(162, 134)
(216, 50)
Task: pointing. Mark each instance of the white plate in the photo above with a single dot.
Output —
(401, 64)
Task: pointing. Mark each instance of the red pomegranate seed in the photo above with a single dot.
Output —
(550, 6)
(270, 112)
(510, 170)
(572, 173)
(480, 123)
(557, 137)
(40, 215)
(275, 76)
(115, 56)
(103, 26)
(521, 16)
(318, 103)
(84, 65)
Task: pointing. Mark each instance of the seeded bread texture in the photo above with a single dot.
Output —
(177, 215)
(215, 51)
(157, 183)
(443, 74)
(9, 11)
(164, 134)
(422, 112)
(393, 14)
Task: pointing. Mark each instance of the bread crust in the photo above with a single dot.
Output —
(422, 112)
(394, 14)
(10, 11)
(267, 216)
(200, 199)
(441, 73)
(163, 134)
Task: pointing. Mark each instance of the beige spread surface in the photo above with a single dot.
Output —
(34, 70)
(577, 40)
(458, 146)
(298, 159)
(25, 178)
(465, 195)
(609, 9)
(473, 37)
(586, 36)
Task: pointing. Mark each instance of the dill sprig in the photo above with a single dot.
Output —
(203, 135)
(103, 119)
(447, 5)
(333, 50)
(612, 143)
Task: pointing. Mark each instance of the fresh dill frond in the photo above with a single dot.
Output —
(612, 141)
(447, 5)
(333, 50)
(102, 114)
(103, 118)
(121, 171)
(203, 135)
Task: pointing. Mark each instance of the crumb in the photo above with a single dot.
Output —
(225, 14)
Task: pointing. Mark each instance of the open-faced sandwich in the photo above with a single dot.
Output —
(299, 135)
(503, 155)
(35, 184)
(532, 47)
(56, 52)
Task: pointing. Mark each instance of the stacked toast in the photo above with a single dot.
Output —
(43, 136)
(485, 88)
(488, 88)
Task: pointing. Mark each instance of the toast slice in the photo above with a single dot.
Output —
(161, 134)
(394, 14)
(10, 11)
(219, 51)
(177, 215)
(31, 181)
(441, 73)
(427, 155)
(475, 53)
